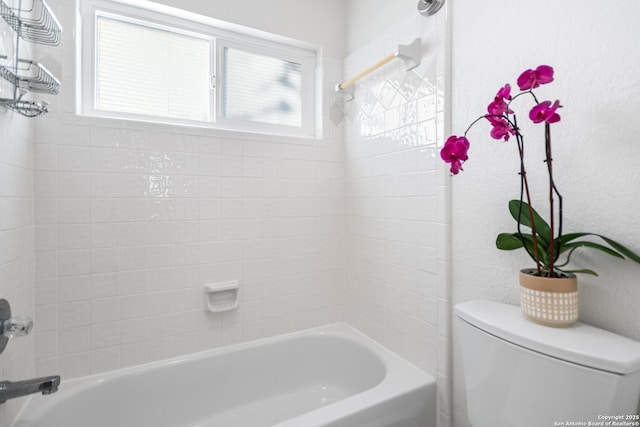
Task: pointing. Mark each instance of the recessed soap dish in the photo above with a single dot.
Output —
(221, 296)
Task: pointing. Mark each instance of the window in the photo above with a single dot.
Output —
(156, 65)
(140, 78)
(261, 88)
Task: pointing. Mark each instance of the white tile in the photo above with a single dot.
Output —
(209, 165)
(186, 186)
(186, 143)
(105, 335)
(187, 343)
(105, 310)
(186, 164)
(74, 135)
(46, 157)
(252, 167)
(74, 262)
(105, 359)
(45, 184)
(74, 288)
(104, 185)
(44, 367)
(133, 234)
(209, 186)
(134, 307)
(106, 210)
(104, 285)
(73, 314)
(75, 365)
(132, 331)
(74, 236)
(135, 353)
(132, 185)
(231, 166)
(161, 348)
(160, 256)
(73, 211)
(186, 322)
(74, 159)
(105, 235)
(159, 233)
(46, 238)
(46, 291)
(74, 185)
(133, 258)
(133, 282)
(105, 260)
(161, 303)
(46, 344)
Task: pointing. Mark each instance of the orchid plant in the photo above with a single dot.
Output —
(545, 242)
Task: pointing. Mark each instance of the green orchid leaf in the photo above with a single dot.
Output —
(542, 228)
(571, 245)
(621, 248)
(622, 251)
(543, 254)
(565, 238)
(509, 241)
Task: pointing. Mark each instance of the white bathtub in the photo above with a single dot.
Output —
(330, 376)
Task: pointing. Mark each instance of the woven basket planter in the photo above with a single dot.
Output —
(550, 301)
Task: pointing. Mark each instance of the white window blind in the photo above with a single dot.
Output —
(262, 88)
(151, 62)
(151, 71)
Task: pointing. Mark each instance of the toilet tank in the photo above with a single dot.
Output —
(518, 373)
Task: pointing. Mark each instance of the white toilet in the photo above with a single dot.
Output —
(521, 374)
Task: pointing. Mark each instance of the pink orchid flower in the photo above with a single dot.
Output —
(499, 104)
(545, 112)
(500, 128)
(455, 152)
(531, 79)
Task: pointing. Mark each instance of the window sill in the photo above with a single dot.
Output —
(193, 128)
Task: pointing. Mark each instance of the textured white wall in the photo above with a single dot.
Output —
(367, 19)
(320, 22)
(593, 49)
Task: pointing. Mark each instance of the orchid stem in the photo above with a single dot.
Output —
(547, 143)
(524, 188)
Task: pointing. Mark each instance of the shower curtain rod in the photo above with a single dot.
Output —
(410, 54)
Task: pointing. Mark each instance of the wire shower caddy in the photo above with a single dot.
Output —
(32, 21)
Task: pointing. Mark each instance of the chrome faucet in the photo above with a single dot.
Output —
(10, 327)
(44, 385)
(20, 326)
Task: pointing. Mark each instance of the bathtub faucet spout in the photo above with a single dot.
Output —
(44, 385)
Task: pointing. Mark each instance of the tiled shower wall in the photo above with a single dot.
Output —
(397, 203)
(16, 245)
(132, 219)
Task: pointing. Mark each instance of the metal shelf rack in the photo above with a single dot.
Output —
(34, 22)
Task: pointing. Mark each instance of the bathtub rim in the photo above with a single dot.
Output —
(399, 374)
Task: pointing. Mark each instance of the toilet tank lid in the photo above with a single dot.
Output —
(580, 344)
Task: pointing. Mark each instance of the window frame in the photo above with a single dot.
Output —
(220, 35)
(299, 56)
